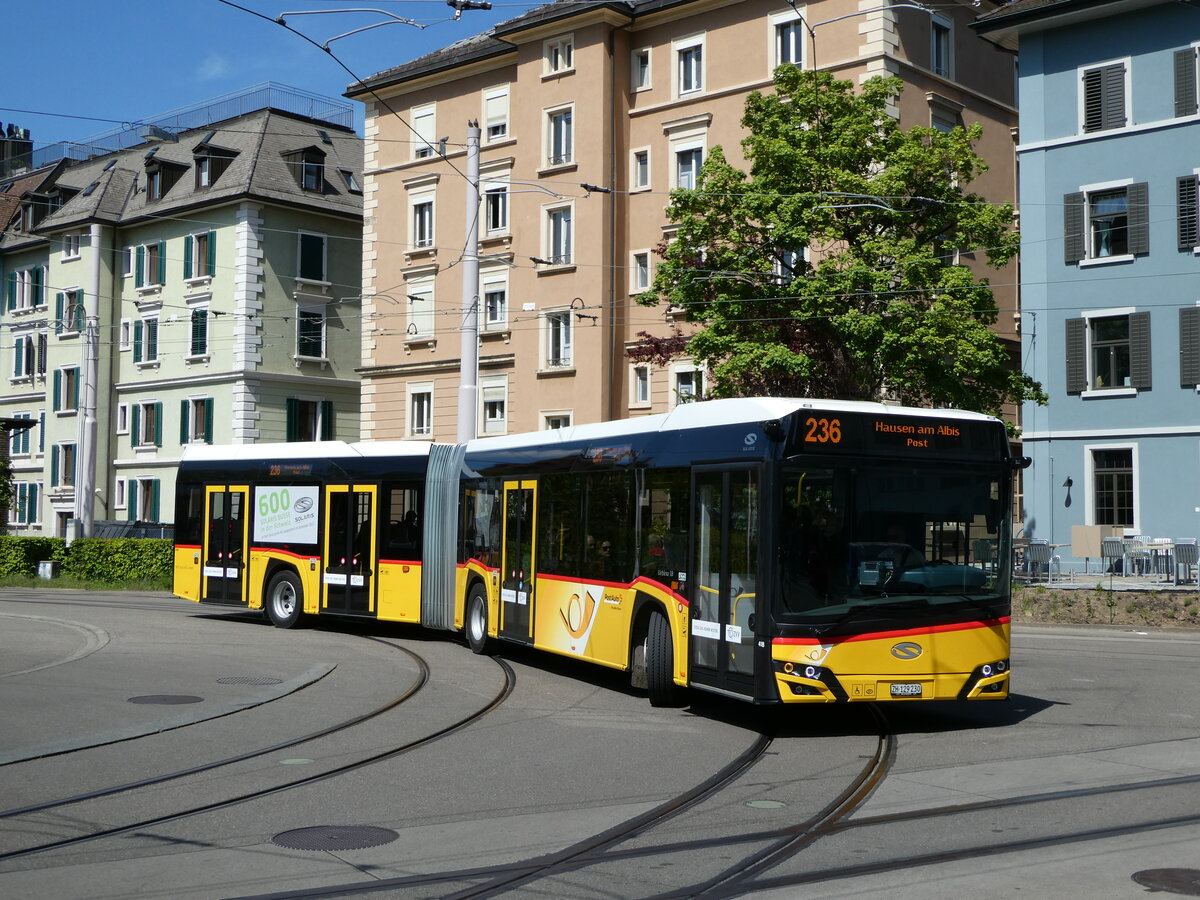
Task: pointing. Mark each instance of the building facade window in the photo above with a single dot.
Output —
(146, 425)
(941, 40)
(553, 421)
(25, 289)
(66, 389)
(639, 387)
(19, 440)
(311, 257)
(29, 355)
(420, 410)
(70, 246)
(558, 55)
(689, 66)
(687, 167)
(639, 274)
(26, 506)
(62, 464)
(308, 420)
(789, 42)
(495, 204)
(145, 340)
(639, 69)
(142, 498)
(559, 237)
(150, 267)
(196, 420)
(1106, 223)
(495, 303)
(560, 138)
(420, 310)
(422, 221)
(493, 399)
(424, 124)
(312, 171)
(639, 170)
(1108, 351)
(310, 333)
(68, 312)
(495, 113)
(1103, 97)
(687, 383)
(1113, 500)
(198, 338)
(200, 255)
(558, 339)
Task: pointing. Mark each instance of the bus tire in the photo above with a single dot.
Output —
(476, 624)
(285, 600)
(660, 662)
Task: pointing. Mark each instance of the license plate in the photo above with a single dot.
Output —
(908, 689)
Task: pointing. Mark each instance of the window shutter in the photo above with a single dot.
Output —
(158, 417)
(154, 493)
(162, 262)
(139, 269)
(1189, 233)
(1139, 350)
(208, 420)
(1076, 356)
(292, 423)
(41, 432)
(11, 292)
(54, 466)
(199, 331)
(1074, 240)
(131, 499)
(151, 339)
(1113, 95)
(1185, 82)
(78, 381)
(137, 341)
(1139, 217)
(184, 431)
(1189, 346)
(327, 420)
(135, 429)
(210, 261)
(187, 256)
(58, 312)
(57, 390)
(18, 358)
(39, 283)
(33, 503)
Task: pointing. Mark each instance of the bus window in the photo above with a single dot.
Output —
(560, 500)
(189, 515)
(608, 526)
(664, 524)
(480, 524)
(402, 512)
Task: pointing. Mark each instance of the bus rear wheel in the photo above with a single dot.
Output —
(477, 619)
(285, 600)
(660, 662)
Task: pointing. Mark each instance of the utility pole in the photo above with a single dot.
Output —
(468, 374)
(85, 482)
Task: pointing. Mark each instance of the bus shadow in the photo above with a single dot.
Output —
(796, 720)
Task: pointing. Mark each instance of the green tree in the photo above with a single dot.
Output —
(828, 269)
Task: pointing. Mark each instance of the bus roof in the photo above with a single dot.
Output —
(733, 411)
(303, 450)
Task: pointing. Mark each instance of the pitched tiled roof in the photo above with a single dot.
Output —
(112, 188)
(1013, 15)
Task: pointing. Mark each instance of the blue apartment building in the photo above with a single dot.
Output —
(1109, 162)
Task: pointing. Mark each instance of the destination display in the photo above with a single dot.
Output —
(821, 432)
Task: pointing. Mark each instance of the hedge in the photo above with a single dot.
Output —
(111, 560)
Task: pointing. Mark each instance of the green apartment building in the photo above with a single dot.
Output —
(197, 282)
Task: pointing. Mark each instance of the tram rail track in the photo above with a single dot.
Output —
(509, 679)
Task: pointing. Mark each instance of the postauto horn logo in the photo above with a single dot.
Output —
(906, 650)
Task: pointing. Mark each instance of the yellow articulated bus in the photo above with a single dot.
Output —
(774, 550)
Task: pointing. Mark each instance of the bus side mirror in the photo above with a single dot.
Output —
(1020, 462)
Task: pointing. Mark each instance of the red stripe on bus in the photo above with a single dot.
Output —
(187, 546)
(305, 556)
(887, 635)
(400, 562)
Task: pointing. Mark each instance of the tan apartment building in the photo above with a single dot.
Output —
(590, 113)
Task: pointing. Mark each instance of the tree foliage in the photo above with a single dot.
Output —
(828, 269)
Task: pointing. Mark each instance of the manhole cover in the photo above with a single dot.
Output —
(166, 699)
(248, 679)
(1174, 881)
(334, 837)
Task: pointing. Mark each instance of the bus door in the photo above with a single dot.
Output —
(226, 525)
(347, 576)
(724, 580)
(516, 589)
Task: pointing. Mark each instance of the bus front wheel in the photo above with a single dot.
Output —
(285, 600)
(660, 662)
(477, 619)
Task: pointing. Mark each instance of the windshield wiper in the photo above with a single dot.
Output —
(865, 608)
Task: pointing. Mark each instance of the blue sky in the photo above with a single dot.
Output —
(126, 60)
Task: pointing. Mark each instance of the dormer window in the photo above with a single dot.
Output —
(308, 168)
(210, 162)
(160, 178)
(154, 189)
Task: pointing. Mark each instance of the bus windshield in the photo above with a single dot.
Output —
(883, 543)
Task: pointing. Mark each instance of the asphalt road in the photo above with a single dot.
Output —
(154, 748)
